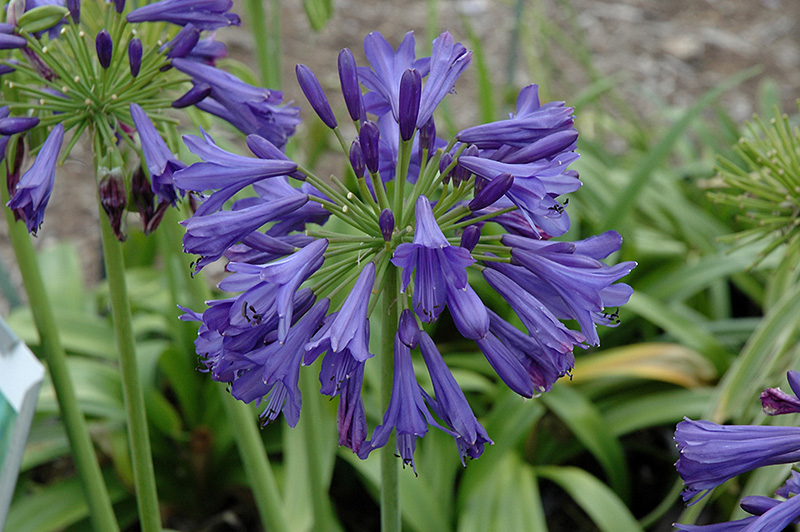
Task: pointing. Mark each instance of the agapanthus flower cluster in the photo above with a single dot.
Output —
(97, 68)
(711, 454)
(419, 222)
(765, 186)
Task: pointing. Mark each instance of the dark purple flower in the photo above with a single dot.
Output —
(408, 106)
(773, 516)
(492, 192)
(252, 110)
(135, 56)
(531, 123)
(386, 223)
(351, 419)
(11, 125)
(161, 163)
(205, 14)
(535, 315)
(105, 48)
(224, 171)
(119, 6)
(74, 7)
(441, 277)
(113, 199)
(448, 60)
(356, 156)
(208, 51)
(33, 190)
(407, 412)
(347, 329)
(569, 277)
(315, 95)
(143, 197)
(287, 275)
(383, 80)
(194, 95)
(450, 403)
(775, 401)
(470, 237)
(534, 188)
(710, 454)
(271, 373)
(348, 78)
(369, 138)
(211, 235)
(183, 43)
(9, 42)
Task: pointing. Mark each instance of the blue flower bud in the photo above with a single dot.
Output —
(17, 124)
(135, 56)
(348, 77)
(192, 96)
(445, 161)
(408, 108)
(105, 48)
(386, 223)
(113, 198)
(74, 7)
(119, 6)
(370, 136)
(427, 138)
(459, 172)
(470, 237)
(184, 42)
(407, 329)
(492, 191)
(7, 42)
(315, 96)
(357, 158)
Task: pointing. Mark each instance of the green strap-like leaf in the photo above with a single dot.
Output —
(601, 504)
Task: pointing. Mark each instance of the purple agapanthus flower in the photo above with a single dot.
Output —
(710, 454)
(414, 208)
(775, 401)
(769, 514)
(252, 110)
(205, 14)
(441, 276)
(33, 190)
(161, 162)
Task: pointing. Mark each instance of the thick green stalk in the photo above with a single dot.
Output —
(390, 478)
(256, 464)
(141, 457)
(100, 509)
(267, 58)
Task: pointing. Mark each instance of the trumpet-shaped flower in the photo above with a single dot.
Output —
(33, 190)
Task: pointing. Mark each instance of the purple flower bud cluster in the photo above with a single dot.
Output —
(304, 289)
(711, 454)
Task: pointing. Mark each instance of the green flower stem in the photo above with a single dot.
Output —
(341, 213)
(267, 56)
(315, 425)
(380, 190)
(448, 227)
(404, 159)
(390, 478)
(96, 494)
(256, 463)
(141, 457)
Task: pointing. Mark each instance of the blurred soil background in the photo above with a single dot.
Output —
(661, 55)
